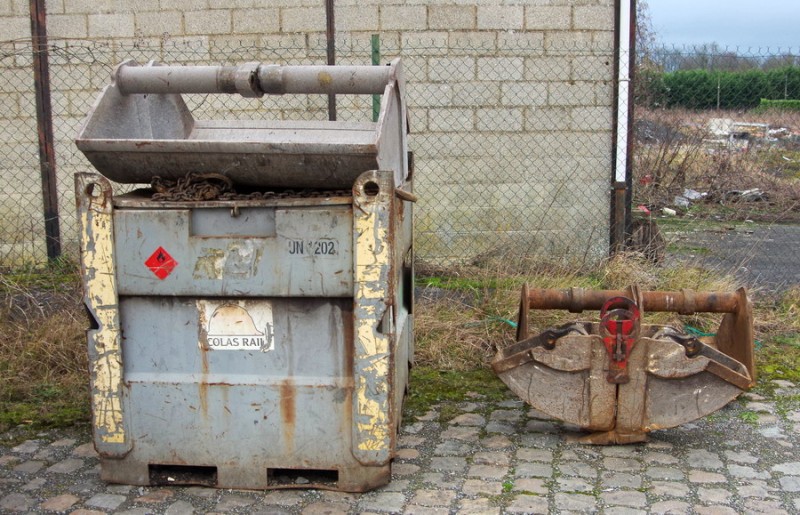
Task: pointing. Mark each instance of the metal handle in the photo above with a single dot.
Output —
(685, 302)
(252, 79)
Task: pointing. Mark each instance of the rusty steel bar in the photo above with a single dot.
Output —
(44, 116)
(685, 302)
(252, 79)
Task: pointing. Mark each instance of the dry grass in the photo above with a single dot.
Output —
(462, 314)
(43, 356)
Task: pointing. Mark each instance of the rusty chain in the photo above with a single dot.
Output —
(195, 187)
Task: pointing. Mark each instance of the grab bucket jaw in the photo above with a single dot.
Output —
(621, 379)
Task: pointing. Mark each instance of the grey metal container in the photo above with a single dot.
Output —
(251, 343)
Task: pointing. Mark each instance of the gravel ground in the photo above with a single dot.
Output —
(490, 458)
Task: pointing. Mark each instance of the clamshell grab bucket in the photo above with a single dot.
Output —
(620, 378)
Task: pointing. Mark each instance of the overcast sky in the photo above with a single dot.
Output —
(732, 23)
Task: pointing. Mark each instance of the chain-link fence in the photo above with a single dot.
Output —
(512, 141)
(717, 160)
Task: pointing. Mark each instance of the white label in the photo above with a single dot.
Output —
(236, 325)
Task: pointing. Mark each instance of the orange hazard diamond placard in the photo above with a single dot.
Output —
(161, 263)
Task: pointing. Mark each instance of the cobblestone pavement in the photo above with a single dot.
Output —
(486, 457)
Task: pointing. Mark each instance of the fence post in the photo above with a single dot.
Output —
(376, 60)
(44, 116)
(330, 35)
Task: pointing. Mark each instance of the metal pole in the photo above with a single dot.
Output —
(44, 116)
(376, 61)
(330, 33)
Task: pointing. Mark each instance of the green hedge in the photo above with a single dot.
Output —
(779, 105)
(704, 89)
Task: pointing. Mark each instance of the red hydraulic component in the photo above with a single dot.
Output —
(619, 323)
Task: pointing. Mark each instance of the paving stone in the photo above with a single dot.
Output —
(433, 497)
(404, 469)
(446, 480)
(542, 441)
(578, 469)
(16, 502)
(703, 459)
(61, 502)
(713, 495)
(85, 450)
(29, 467)
(630, 498)
(452, 448)
(573, 484)
(670, 473)
(384, 502)
(660, 457)
(472, 487)
(413, 509)
(283, 498)
(396, 485)
(464, 434)
(771, 432)
(771, 507)
(411, 440)
(105, 501)
(576, 502)
(27, 447)
(533, 470)
(532, 504)
(63, 442)
(754, 489)
(83, 511)
(620, 451)
(468, 419)
(622, 464)
(741, 457)
(119, 489)
(759, 407)
(790, 469)
(487, 471)
(506, 415)
(44, 454)
(429, 416)
(326, 508)
(502, 428)
(491, 458)
(790, 483)
(715, 510)
(448, 464)
(670, 508)
(622, 480)
(701, 476)
(525, 454)
(623, 510)
(541, 426)
(7, 460)
(155, 496)
(407, 454)
(477, 507)
(232, 502)
(67, 466)
(470, 406)
(202, 492)
(669, 489)
(745, 472)
(34, 484)
(530, 485)
(496, 442)
(134, 511)
(180, 508)
(515, 404)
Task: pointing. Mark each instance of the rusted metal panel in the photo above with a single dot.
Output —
(621, 379)
(373, 199)
(109, 423)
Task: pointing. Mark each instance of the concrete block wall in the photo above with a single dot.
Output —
(510, 102)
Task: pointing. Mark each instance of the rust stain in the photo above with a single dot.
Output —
(288, 412)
